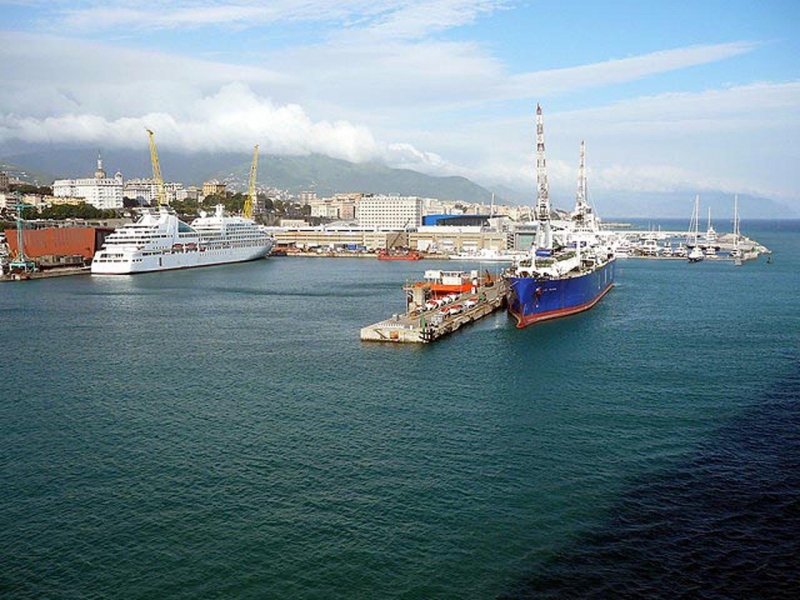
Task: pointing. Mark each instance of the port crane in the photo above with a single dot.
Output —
(21, 262)
(250, 202)
(161, 196)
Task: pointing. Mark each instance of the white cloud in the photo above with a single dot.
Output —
(233, 119)
(736, 139)
(384, 18)
(384, 89)
(412, 20)
(545, 83)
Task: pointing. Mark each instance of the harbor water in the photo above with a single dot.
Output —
(223, 433)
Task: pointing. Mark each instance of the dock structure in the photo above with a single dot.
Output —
(426, 326)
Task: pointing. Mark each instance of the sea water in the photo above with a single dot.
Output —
(222, 432)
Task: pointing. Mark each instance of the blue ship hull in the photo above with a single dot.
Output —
(531, 300)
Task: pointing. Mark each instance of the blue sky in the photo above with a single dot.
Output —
(670, 96)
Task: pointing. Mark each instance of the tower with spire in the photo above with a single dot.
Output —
(99, 173)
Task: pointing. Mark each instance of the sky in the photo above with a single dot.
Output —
(669, 96)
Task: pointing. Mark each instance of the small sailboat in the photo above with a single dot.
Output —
(695, 254)
(736, 253)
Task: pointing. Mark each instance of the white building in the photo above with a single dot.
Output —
(390, 212)
(145, 191)
(99, 191)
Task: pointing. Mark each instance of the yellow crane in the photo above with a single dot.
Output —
(250, 202)
(160, 194)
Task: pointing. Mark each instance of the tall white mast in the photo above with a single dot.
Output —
(696, 217)
(545, 239)
(580, 197)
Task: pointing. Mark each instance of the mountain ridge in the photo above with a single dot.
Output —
(326, 176)
(315, 172)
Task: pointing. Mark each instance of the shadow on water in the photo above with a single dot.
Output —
(724, 524)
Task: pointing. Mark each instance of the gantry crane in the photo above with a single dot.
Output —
(161, 196)
(250, 202)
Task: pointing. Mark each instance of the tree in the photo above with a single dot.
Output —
(29, 188)
(268, 204)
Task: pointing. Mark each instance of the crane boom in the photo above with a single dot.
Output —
(250, 203)
(160, 194)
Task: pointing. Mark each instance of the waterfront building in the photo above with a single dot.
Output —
(191, 193)
(213, 187)
(100, 191)
(293, 223)
(145, 190)
(369, 238)
(389, 212)
(142, 190)
(338, 207)
(61, 200)
(447, 239)
(323, 208)
(306, 197)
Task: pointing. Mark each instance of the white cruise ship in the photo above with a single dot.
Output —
(159, 241)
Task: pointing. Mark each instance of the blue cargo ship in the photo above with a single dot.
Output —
(557, 288)
(566, 276)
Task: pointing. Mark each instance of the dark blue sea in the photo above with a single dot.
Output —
(223, 433)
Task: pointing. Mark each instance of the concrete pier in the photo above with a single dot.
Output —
(430, 325)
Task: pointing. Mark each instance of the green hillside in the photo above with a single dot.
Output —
(326, 176)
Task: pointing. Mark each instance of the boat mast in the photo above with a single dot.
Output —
(580, 197)
(696, 217)
(736, 221)
(545, 239)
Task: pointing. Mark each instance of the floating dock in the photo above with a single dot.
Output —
(427, 326)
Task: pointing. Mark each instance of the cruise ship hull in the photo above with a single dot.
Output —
(531, 300)
(129, 263)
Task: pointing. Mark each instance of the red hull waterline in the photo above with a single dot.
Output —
(524, 321)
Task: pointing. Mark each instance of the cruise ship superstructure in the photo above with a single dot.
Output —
(159, 241)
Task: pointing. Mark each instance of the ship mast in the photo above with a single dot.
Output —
(545, 239)
(580, 197)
